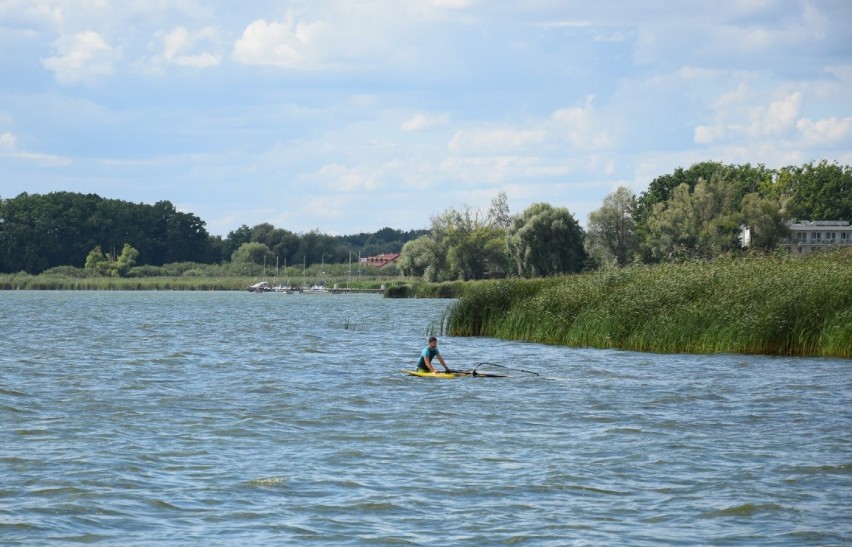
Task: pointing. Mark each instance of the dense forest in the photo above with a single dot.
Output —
(39, 232)
(691, 213)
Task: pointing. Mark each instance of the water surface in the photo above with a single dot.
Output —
(236, 418)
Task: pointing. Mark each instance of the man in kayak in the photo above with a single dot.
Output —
(428, 354)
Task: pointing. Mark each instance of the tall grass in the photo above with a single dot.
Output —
(163, 283)
(772, 305)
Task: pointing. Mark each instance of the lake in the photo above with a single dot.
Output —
(217, 418)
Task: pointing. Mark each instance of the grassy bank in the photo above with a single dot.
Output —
(191, 276)
(165, 283)
(160, 283)
(759, 306)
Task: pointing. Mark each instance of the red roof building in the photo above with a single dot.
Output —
(382, 260)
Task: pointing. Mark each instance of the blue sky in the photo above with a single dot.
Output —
(349, 116)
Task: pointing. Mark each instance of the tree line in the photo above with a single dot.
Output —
(43, 231)
(38, 232)
(698, 212)
(692, 212)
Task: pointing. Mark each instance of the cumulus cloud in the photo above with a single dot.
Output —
(582, 127)
(181, 47)
(420, 122)
(286, 44)
(81, 58)
(778, 117)
(738, 117)
(579, 128)
(826, 131)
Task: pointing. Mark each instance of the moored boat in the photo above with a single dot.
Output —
(261, 286)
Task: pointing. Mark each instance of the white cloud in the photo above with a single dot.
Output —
(9, 149)
(706, 134)
(81, 58)
(826, 131)
(738, 117)
(451, 4)
(579, 128)
(478, 141)
(286, 44)
(341, 178)
(492, 170)
(778, 117)
(420, 122)
(583, 127)
(7, 140)
(180, 47)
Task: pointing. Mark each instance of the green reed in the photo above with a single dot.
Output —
(184, 282)
(773, 305)
(65, 283)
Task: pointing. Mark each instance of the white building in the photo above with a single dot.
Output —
(808, 236)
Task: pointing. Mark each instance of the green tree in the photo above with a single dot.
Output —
(463, 239)
(611, 232)
(43, 231)
(662, 188)
(253, 253)
(108, 264)
(234, 240)
(818, 192)
(97, 262)
(699, 222)
(498, 213)
(764, 216)
(184, 236)
(472, 244)
(126, 260)
(423, 257)
(545, 240)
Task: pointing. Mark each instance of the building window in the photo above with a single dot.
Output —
(829, 237)
(816, 237)
(844, 237)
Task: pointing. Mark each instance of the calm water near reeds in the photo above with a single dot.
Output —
(236, 418)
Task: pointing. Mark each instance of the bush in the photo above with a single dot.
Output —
(145, 271)
(67, 271)
(399, 291)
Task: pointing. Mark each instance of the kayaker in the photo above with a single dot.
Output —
(428, 354)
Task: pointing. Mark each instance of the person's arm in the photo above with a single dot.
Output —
(441, 359)
(429, 363)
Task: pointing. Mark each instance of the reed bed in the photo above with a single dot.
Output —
(772, 305)
(51, 282)
(64, 283)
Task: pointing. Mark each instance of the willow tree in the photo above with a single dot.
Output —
(109, 264)
(765, 217)
(545, 240)
(703, 221)
(423, 257)
(461, 244)
(612, 229)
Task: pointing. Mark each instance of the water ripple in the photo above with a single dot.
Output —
(230, 418)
